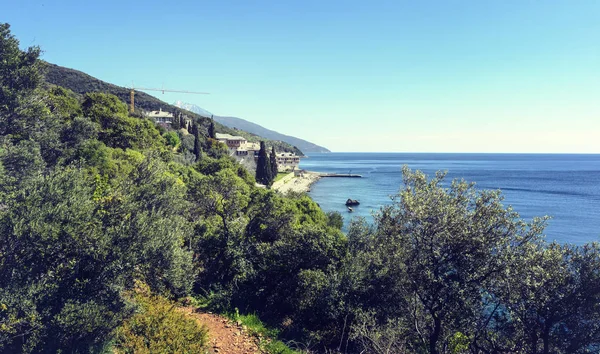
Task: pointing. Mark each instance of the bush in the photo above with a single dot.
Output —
(159, 328)
(172, 139)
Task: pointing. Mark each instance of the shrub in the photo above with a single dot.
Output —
(172, 138)
(159, 327)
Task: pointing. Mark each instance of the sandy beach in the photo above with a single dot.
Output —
(296, 184)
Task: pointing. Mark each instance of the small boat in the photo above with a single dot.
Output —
(350, 209)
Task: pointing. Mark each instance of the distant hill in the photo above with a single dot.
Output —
(81, 83)
(242, 124)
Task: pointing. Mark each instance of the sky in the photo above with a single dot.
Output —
(398, 76)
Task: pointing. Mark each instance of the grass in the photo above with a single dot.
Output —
(280, 175)
(268, 336)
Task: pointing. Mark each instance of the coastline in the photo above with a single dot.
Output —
(298, 184)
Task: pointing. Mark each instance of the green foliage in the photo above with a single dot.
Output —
(172, 139)
(273, 163)
(158, 327)
(264, 173)
(211, 129)
(50, 237)
(77, 244)
(20, 77)
(117, 128)
(267, 337)
(549, 302)
(63, 103)
(197, 144)
(379, 338)
(216, 149)
(21, 162)
(335, 220)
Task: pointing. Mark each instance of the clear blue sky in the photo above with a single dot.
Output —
(430, 76)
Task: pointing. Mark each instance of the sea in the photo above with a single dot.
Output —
(565, 187)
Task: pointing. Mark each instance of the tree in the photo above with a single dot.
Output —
(63, 103)
(117, 128)
(273, 161)
(175, 123)
(211, 129)
(70, 245)
(436, 257)
(550, 302)
(20, 77)
(264, 173)
(172, 138)
(159, 327)
(197, 144)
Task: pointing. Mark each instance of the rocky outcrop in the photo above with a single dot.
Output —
(352, 202)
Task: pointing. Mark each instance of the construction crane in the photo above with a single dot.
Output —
(132, 93)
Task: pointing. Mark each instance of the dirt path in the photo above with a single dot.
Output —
(225, 337)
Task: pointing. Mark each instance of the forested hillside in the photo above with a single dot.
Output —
(82, 83)
(106, 220)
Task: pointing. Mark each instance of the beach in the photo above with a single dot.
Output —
(296, 183)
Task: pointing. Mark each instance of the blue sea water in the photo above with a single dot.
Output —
(563, 186)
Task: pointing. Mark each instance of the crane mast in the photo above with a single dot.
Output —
(132, 94)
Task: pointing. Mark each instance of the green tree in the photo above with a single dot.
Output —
(436, 256)
(70, 246)
(197, 143)
(211, 129)
(176, 121)
(117, 128)
(550, 302)
(20, 77)
(335, 219)
(264, 174)
(172, 138)
(273, 162)
(22, 161)
(63, 103)
(159, 327)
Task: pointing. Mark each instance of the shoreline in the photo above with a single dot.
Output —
(295, 184)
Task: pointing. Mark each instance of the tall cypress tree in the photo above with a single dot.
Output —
(211, 129)
(263, 166)
(274, 169)
(197, 149)
(176, 122)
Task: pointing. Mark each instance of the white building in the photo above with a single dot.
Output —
(160, 116)
(287, 161)
(247, 153)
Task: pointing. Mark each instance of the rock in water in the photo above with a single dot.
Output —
(352, 202)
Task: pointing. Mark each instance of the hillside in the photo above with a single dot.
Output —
(242, 124)
(81, 83)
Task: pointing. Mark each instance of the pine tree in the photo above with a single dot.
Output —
(263, 166)
(274, 169)
(211, 129)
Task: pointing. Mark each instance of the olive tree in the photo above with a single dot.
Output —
(436, 256)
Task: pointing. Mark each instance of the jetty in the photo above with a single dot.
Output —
(340, 175)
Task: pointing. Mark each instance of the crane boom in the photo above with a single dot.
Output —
(132, 94)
